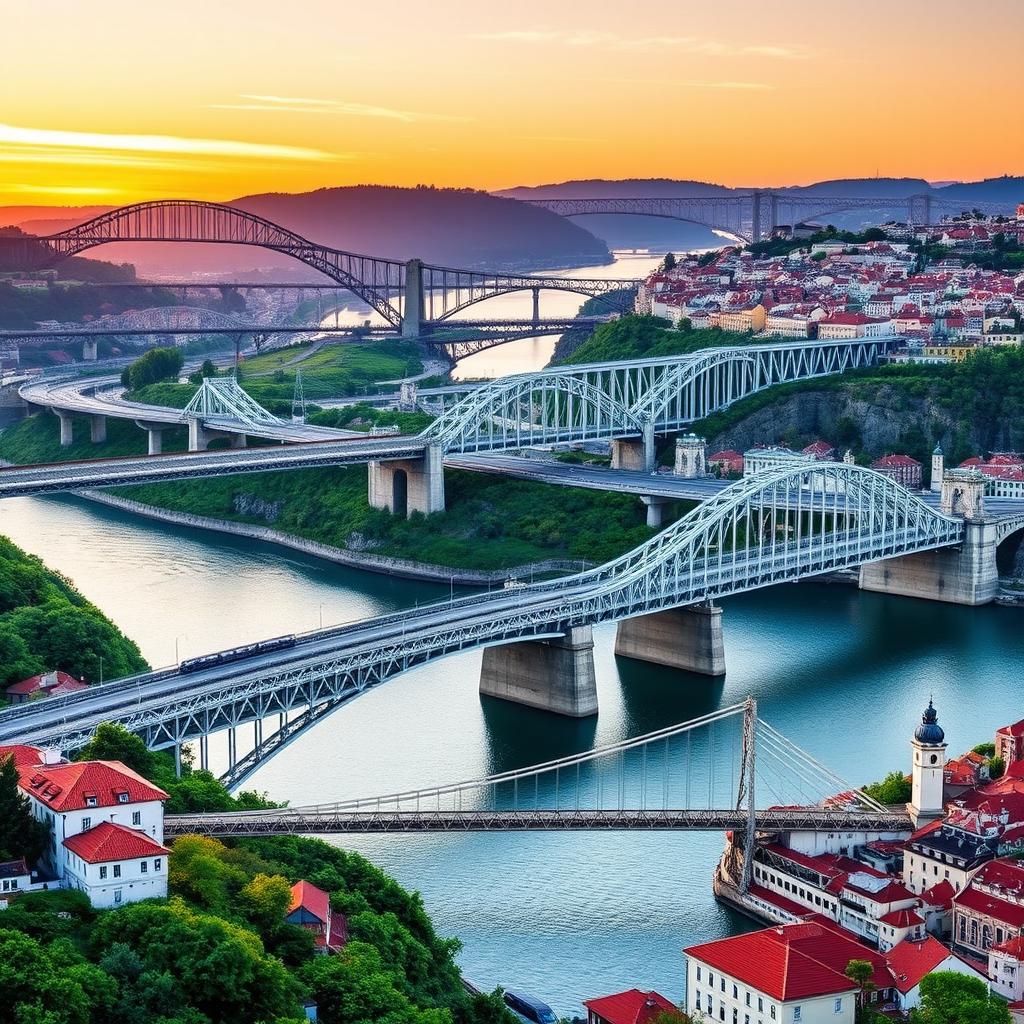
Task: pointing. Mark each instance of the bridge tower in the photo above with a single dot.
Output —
(412, 307)
(929, 747)
(763, 214)
(89, 350)
(919, 210)
(404, 486)
(938, 464)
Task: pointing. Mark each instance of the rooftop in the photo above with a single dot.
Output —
(82, 784)
(109, 842)
(630, 1007)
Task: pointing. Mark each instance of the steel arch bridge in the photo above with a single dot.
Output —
(168, 318)
(641, 397)
(763, 530)
(755, 215)
(406, 294)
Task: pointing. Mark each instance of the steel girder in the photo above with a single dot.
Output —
(224, 397)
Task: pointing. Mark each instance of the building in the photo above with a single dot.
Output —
(911, 961)
(726, 462)
(15, 877)
(1006, 969)
(46, 684)
(762, 458)
(929, 761)
(990, 909)
(691, 458)
(901, 468)
(789, 973)
(310, 908)
(743, 321)
(629, 1007)
(106, 825)
(1010, 743)
(853, 325)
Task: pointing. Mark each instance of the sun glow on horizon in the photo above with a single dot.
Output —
(459, 95)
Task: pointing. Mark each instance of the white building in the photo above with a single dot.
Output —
(929, 749)
(113, 864)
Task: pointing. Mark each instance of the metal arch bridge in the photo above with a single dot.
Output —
(724, 770)
(763, 530)
(405, 293)
(755, 215)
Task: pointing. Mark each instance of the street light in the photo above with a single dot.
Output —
(177, 659)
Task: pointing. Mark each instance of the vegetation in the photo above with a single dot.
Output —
(860, 972)
(996, 768)
(951, 998)
(157, 364)
(20, 834)
(46, 624)
(893, 789)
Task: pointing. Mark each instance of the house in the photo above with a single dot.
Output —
(310, 908)
(792, 972)
(949, 850)
(726, 461)
(15, 877)
(113, 864)
(1010, 743)
(46, 684)
(901, 468)
(911, 960)
(1006, 969)
(106, 825)
(629, 1007)
(990, 909)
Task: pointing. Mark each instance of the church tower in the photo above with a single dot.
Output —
(929, 747)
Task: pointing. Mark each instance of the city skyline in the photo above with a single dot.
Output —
(472, 98)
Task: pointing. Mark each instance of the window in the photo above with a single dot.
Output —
(117, 870)
(156, 867)
(103, 872)
(711, 1006)
(797, 1013)
(772, 1008)
(697, 1003)
(122, 798)
(838, 1008)
(136, 817)
(86, 824)
(722, 986)
(698, 972)
(760, 1005)
(144, 867)
(711, 979)
(735, 991)
(117, 896)
(748, 999)
(90, 801)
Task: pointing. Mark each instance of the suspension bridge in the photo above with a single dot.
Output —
(785, 525)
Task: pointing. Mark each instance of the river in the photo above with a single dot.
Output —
(566, 916)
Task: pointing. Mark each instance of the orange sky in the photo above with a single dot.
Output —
(113, 101)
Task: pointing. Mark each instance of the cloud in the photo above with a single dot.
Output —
(37, 138)
(612, 41)
(62, 190)
(306, 105)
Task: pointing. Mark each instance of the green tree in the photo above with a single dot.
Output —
(861, 973)
(996, 767)
(951, 998)
(115, 743)
(155, 365)
(265, 900)
(669, 262)
(985, 749)
(21, 835)
(893, 789)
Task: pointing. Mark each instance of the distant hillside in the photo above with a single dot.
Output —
(1008, 189)
(448, 226)
(884, 188)
(599, 188)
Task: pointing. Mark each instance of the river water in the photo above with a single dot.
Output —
(565, 916)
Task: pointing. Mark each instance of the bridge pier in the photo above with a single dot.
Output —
(404, 486)
(154, 437)
(555, 675)
(199, 437)
(97, 429)
(635, 453)
(67, 428)
(966, 574)
(89, 350)
(687, 638)
(655, 509)
(412, 308)
(536, 305)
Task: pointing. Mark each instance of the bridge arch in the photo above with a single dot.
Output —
(177, 220)
(516, 412)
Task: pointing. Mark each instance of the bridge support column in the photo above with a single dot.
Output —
(554, 675)
(238, 441)
(97, 429)
(412, 308)
(966, 574)
(685, 638)
(198, 438)
(155, 437)
(89, 350)
(536, 305)
(404, 486)
(655, 509)
(67, 430)
(635, 453)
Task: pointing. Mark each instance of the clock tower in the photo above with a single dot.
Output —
(929, 748)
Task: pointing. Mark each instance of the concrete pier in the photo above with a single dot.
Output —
(199, 437)
(154, 438)
(962, 575)
(89, 350)
(404, 486)
(635, 453)
(67, 432)
(97, 429)
(685, 638)
(655, 509)
(412, 312)
(556, 675)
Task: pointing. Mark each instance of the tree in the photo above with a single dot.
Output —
(265, 899)
(115, 743)
(155, 365)
(985, 749)
(996, 767)
(669, 262)
(893, 789)
(951, 998)
(861, 973)
(21, 835)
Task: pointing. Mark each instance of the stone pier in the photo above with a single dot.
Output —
(412, 311)
(199, 437)
(555, 675)
(67, 431)
(687, 638)
(154, 437)
(89, 350)
(635, 453)
(97, 429)
(655, 509)
(404, 486)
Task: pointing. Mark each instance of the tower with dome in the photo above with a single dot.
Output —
(929, 751)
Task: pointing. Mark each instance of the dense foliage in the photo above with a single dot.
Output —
(893, 789)
(21, 835)
(155, 365)
(951, 998)
(46, 624)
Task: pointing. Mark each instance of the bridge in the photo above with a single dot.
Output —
(753, 216)
(727, 770)
(407, 293)
(772, 528)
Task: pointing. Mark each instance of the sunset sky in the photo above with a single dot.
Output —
(112, 101)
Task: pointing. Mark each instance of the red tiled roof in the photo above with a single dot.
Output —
(24, 756)
(108, 841)
(793, 961)
(630, 1007)
(902, 919)
(65, 787)
(1007, 876)
(1017, 729)
(311, 899)
(911, 959)
(39, 682)
(1012, 947)
(939, 895)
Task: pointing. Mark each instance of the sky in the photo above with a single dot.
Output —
(115, 101)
